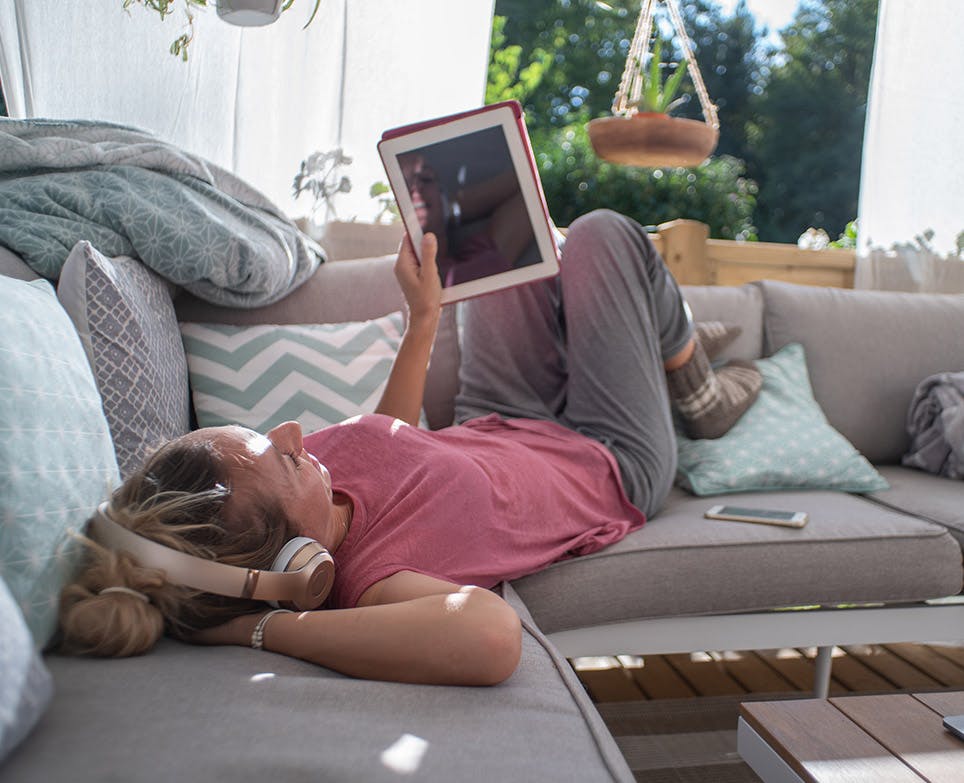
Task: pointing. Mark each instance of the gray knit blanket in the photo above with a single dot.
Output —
(131, 194)
(935, 422)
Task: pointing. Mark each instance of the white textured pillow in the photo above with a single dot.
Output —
(56, 458)
(316, 374)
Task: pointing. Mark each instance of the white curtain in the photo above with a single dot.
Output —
(254, 100)
(912, 182)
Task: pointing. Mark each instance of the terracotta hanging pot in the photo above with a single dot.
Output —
(635, 138)
(651, 139)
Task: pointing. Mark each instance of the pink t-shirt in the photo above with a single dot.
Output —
(489, 500)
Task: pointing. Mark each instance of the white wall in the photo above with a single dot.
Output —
(255, 100)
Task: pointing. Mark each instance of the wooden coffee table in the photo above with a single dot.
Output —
(878, 739)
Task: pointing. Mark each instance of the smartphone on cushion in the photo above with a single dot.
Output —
(761, 516)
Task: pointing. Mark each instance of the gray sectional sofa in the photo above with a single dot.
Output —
(867, 567)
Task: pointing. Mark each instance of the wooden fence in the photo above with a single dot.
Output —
(691, 255)
(695, 259)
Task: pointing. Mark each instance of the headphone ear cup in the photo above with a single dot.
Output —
(308, 560)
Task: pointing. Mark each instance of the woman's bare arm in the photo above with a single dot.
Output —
(430, 631)
(422, 288)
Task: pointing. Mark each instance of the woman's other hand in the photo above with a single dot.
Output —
(420, 283)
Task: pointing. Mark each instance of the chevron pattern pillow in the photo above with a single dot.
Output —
(316, 374)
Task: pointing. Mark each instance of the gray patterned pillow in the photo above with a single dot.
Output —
(125, 318)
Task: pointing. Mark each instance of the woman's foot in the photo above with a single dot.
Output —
(709, 401)
(715, 336)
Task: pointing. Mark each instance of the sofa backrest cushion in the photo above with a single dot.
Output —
(342, 291)
(11, 265)
(866, 352)
(124, 316)
(740, 305)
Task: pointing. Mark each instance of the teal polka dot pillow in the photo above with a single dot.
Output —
(56, 458)
(783, 442)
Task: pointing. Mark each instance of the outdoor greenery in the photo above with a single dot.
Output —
(658, 95)
(576, 181)
(791, 115)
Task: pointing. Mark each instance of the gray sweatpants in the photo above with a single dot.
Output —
(586, 349)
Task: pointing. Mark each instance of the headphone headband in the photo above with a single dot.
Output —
(306, 587)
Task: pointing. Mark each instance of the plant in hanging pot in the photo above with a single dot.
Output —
(245, 13)
(641, 131)
(657, 96)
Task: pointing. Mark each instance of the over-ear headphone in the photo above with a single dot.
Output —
(300, 577)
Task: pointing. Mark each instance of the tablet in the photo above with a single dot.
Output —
(471, 180)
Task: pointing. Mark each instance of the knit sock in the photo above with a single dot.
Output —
(715, 336)
(710, 402)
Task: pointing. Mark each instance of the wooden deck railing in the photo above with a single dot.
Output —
(691, 255)
(695, 259)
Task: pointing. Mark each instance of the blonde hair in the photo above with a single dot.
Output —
(177, 499)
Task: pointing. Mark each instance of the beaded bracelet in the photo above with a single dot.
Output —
(257, 635)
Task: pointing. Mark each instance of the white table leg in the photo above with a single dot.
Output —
(763, 759)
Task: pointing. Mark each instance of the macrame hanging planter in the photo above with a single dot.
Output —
(636, 138)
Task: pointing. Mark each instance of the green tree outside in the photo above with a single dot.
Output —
(791, 119)
(807, 126)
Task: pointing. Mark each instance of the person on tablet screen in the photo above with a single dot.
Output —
(482, 229)
(564, 444)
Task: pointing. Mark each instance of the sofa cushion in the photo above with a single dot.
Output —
(235, 714)
(56, 458)
(25, 687)
(315, 374)
(124, 316)
(782, 442)
(740, 305)
(343, 291)
(11, 265)
(867, 352)
(938, 499)
(679, 563)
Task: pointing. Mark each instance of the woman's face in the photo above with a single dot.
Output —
(275, 467)
(423, 187)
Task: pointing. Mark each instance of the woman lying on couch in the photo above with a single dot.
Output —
(566, 442)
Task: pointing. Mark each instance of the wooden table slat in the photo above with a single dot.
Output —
(947, 703)
(822, 745)
(911, 730)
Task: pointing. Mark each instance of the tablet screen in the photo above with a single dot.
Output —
(466, 192)
(470, 180)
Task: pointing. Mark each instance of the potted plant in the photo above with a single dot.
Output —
(657, 97)
(246, 13)
(319, 175)
(641, 131)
